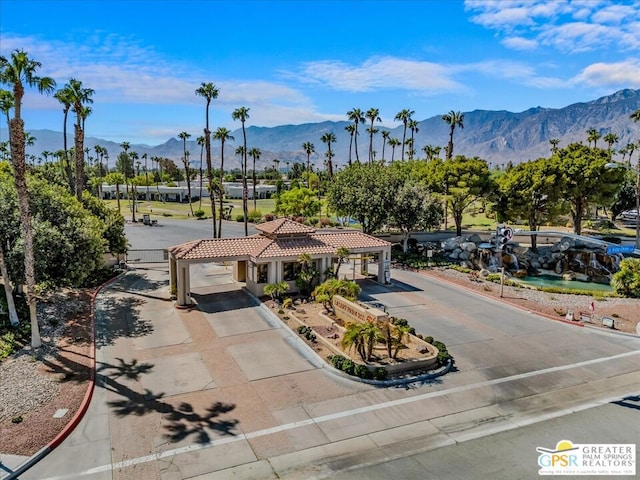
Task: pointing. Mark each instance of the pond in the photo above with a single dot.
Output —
(559, 282)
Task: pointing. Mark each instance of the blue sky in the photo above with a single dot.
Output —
(296, 61)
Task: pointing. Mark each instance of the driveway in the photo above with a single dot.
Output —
(224, 390)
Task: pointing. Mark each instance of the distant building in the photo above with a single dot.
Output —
(180, 193)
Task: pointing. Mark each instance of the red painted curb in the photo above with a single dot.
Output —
(502, 300)
(73, 423)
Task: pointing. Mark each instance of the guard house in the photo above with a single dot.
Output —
(272, 255)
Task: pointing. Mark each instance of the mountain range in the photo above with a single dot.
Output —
(496, 136)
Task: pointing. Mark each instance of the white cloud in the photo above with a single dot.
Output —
(520, 43)
(618, 74)
(380, 73)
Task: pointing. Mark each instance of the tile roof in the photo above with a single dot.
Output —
(284, 226)
(262, 246)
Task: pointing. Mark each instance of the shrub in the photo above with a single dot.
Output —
(428, 339)
(240, 218)
(362, 371)
(199, 214)
(380, 373)
(288, 302)
(626, 281)
(254, 216)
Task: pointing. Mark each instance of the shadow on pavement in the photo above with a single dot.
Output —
(122, 319)
(627, 402)
(183, 421)
(223, 301)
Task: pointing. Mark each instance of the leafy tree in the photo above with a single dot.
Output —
(532, 190)
(626, 281)
(276, 290)
(365, 192)
(415, 208)
(16, 72)
(586, 179)
(466, 180)
(112, 223)
(353, 338)
(325, 292)
(625, 197)
(297, 202)
(454, 119)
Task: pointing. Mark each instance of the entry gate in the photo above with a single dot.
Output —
(148, 256)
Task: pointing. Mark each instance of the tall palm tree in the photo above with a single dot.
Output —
(554, 145)
(413, 126)
(454, 119)
(385, 138)
(592, 136)
(210, 92)
(222, 135)
(17, 71)
(610, 138)
(242, 114)
(146, 175)
(308, 148)
(329, 138)
(187, 171)
(201, 141)
(404, 116)
(393, 143)
(255, 154)
(372, 114)
(80, 98)
(357, 117)
(64, 97)
(133, 156)
(351, 129)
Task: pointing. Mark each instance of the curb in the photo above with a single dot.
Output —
(73, 423)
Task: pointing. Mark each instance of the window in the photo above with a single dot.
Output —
(290, 270)
(263, 272)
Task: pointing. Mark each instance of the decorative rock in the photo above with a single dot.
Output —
(475, 238)
(422, 349)
(468, 246)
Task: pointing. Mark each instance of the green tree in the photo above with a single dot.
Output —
(308, 148)
(610, 138)
(554, 145)
(117, 179)
(64, 97)
(255, 155)
(297, 202)
(373, 114)
(404, 116)
(393, 143)
(453, 119)
(222, 134)
(357, 117)
(365, 192)
(276, 290)
(242, 114)
(354, 339)
(626, 281)
(415, 208)
(329, 138)
(467, 180)
(586, 179)
(592, 136)
(532, 190)
(185, 160)
(351, 130)
(16, 72)
(209, 92)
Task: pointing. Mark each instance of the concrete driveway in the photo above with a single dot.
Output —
(224, 391)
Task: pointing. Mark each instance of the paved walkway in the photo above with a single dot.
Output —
(226, 391)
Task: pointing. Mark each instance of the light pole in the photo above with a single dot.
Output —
(637, 172)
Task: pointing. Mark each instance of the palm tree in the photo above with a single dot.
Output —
(404, 116)
(255, 154)
(133, 156)
(356, 116)
(592, 136)
(635, 116)
(210, 92)
(146, 175)
(372, 114)
(329, 138)
(16, 72)
(351, 128)
(385, 138)
(185, 160)
(242, 114)
(64, 97)
(222, 134)
(431, 151)
(353, 338)
(454, 119)
(610, 138)
(554, 145)
(200, 140)
(413, 126)
(79, 97)
(308, 148)
(393, 143)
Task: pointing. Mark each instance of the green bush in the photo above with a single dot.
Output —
(380, 373)
(240, 218)
(428, 339)
(362, 371)
(626, 281)
(198, 214)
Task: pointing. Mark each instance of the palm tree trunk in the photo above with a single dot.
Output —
(79, 141)
(255, 204)
(221, 193)
(13, 315)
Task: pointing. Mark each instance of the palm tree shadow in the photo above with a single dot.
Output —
(120, 318)
(184, 422)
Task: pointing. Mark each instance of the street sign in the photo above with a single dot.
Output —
(620, 249)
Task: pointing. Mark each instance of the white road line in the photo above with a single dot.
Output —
(336, 416)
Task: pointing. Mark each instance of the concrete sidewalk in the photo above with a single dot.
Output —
(223, 390)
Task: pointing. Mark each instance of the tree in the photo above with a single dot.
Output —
(255, 154)
(413, 126)
(308, 148)
(8, 226)
(454, 119)
(592, 136)
(467, 180)
(185, 160)
(357, 117)
(200, 141)
(329, 138)
(626, 281)
(610, 138)
(276, 290)
(415, 208)
(554, 145)
(341, 254)
(117, 179)
(373, 114)
(532, 190)
(64, 97)
(586, 179)
(353, 338)
(351, 130)
(365, 192)
(298, 202)
(393, 143)
(404, 116)
(635, 116)
(210, 92)
(242, 114)
(222, 134)
(16, 72)
(385, 138)
(79, 97)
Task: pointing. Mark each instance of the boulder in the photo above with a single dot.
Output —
(468, 246)
(475, 238)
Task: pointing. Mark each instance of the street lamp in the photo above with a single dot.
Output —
(637, 172)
